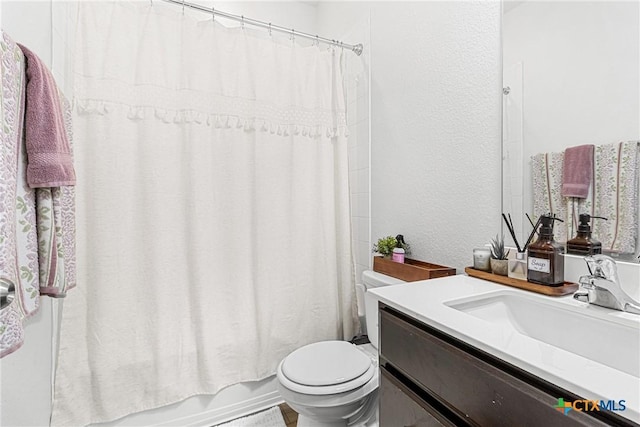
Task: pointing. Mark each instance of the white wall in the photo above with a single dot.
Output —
(300, 15)
(435, 122)
(25, 375)
(20, 18)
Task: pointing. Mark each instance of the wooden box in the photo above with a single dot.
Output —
(412, 270)
(555, 291)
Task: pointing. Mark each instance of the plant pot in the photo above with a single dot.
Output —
(500, 266)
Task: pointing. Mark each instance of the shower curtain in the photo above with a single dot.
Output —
(213, 209)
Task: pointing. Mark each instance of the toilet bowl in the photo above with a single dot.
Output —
(335, 383)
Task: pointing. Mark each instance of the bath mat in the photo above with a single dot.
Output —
(269, 418)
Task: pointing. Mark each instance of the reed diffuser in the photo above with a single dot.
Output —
(517, 267)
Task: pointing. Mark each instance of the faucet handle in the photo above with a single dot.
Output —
(602, 266)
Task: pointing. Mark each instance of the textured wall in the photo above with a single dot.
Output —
(436, 126)
(435, 121)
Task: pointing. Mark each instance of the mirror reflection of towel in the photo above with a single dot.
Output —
(577, 171)
(546, 169)
(613, 194)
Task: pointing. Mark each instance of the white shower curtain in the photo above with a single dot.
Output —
(213, 210)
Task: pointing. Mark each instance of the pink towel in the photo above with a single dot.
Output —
(577, 171)
(48, 153)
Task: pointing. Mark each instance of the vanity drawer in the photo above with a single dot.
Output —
(399, 406)
(474, 389)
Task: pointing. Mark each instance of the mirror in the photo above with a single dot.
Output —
(571, 77)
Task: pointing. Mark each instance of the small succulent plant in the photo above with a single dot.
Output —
(497, 248)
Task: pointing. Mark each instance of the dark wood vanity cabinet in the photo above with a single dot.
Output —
(429, 378)
(403, 407)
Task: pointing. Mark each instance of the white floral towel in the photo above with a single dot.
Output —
(56, 230)
(18, 245)
(37, 226)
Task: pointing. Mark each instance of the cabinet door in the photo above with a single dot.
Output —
(400, 407)
(475, 389)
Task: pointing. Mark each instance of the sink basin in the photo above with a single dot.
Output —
(593, 334)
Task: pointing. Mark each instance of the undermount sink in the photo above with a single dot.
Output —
(608, 340)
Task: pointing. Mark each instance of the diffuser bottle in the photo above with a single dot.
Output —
(545, 263)
(517, 268)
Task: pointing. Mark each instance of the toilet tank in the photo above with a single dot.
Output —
(372, 280)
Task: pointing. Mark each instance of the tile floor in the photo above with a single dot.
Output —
(290, 416)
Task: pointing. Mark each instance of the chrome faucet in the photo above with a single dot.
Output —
(602, 286)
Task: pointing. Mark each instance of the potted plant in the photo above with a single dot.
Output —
(385, 246)
(499, 257)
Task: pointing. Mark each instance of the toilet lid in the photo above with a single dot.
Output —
(325, 363)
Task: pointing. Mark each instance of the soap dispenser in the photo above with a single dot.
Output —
(583, 244)
(545, 261)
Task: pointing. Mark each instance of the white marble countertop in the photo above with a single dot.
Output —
(426, 301)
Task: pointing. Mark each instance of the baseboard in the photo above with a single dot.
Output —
(227, 413)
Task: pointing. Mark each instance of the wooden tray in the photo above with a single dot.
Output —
(554, 291)
(412, 270)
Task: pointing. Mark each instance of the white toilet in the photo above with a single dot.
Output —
(335, 383)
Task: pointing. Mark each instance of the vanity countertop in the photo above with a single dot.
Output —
(427, 301)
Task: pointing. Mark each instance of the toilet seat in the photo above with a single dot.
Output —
(326, 367)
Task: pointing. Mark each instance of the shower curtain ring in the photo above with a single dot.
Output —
(317, 41)
(242, 23)
(213, 13)
(270, 35)
(183, 7)
(293, 35)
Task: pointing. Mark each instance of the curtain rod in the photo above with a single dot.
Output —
(357, 49)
